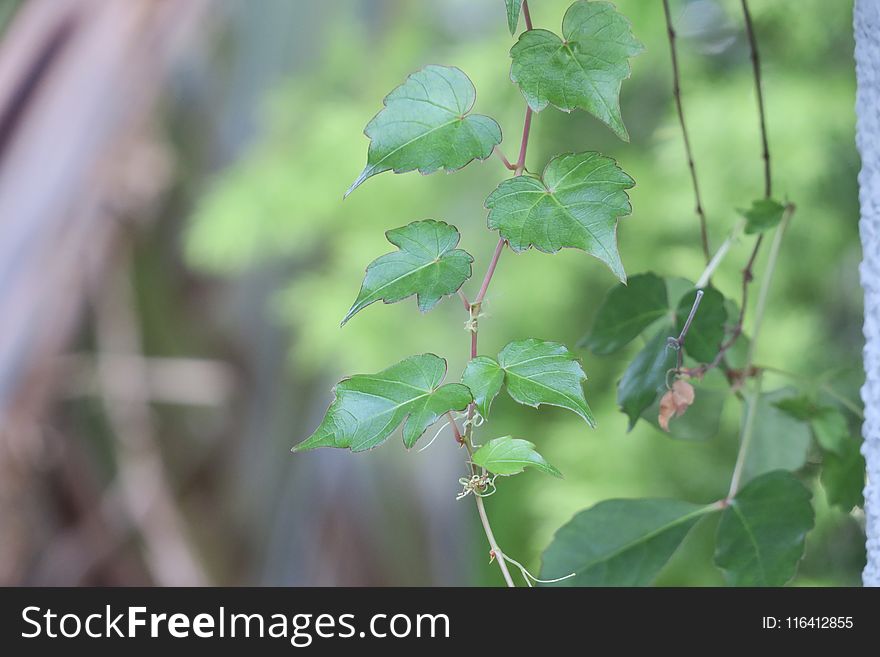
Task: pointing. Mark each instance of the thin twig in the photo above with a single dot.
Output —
(747, 274)
(763, 295)
(745, 441)
(756, 68)
(676, 92)
(490, 272)
(737, 329)
(526, 15)
(720, 254)
(690, 318)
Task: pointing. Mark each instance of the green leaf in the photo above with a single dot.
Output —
(761, 533)
(508, 456)
(779, 442)
(843, 476)
(368, 407)
(676, 288)
(799, 407)
(763, 215)
(576, 204)
(828, 423)
(646, 376)
(830, 429)
(626, 311)
(426, 125)
(484, 377)
(513, 14)
(707, 330)
(619, 542)
(582, 71)
(538, 372)
(427, 264)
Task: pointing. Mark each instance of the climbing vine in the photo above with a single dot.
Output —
(696, 354)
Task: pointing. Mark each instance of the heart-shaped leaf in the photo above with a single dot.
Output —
(427, 264)
(761, 534)
(576, 204)
(426, 125)
(368, 407)
(619, 542)
(584, 69)
(508, 456)
(626, 311)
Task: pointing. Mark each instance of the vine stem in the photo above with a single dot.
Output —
(473, 312)
(765, 154)
(497, 554)
(676, 93)
(749, 425)
(490, 272)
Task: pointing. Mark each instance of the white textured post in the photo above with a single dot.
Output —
(867, 32)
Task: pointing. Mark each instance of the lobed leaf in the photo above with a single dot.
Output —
(575, 204)
(619, 542)
(584, 69)
(509, 456)
(484, 377)
(426, 124)
(538, 372)
(626, 311)
(761, 534)
(535, 371)
(368, 407)
(427, 265)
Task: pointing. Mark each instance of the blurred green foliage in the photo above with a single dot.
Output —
(282, 202)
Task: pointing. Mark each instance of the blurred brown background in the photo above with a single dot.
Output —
(175, 258)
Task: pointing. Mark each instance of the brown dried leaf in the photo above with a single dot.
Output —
(675, 402)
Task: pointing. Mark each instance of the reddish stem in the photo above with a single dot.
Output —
(490, 271)
(526, 15)
(524, 142)
(507, 164)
